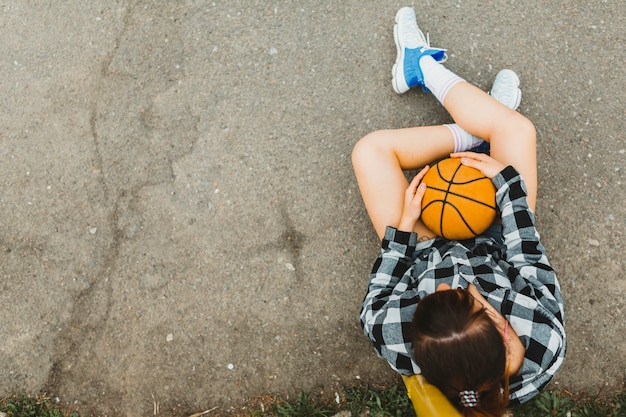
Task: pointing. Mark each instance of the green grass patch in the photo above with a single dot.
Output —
(362, 400)
(390, 402)
(559, 404)
(26, 406)
(387, 402)
(394, 402)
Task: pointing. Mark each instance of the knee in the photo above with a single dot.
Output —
(369, 147)
(526, 129)
(519, 127)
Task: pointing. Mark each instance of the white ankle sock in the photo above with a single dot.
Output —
(463, 140)
(437, 78)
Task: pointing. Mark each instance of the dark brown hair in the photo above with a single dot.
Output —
(458, 347)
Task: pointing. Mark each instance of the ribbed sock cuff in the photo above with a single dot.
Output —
(463, 140)
(437, 78)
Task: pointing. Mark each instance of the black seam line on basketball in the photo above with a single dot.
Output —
(467, 182)
(451, 180)
(432, 202)
(462, 218)
(441, 221)
(441, 176)
(452, 193)
(428, 205)
(444, 202)
(443, 209)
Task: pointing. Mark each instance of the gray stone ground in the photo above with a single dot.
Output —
(178, 199)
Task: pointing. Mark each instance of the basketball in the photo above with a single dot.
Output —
(459, 201)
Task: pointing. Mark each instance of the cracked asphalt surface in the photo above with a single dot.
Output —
(181, 223)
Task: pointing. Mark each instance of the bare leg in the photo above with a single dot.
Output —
(380, 157)
(511, 135)
(379, 160)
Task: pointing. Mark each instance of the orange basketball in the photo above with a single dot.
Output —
(459, 201)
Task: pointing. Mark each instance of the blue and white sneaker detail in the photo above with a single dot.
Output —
(411, 46)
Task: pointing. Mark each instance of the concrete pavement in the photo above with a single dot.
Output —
(181, 224)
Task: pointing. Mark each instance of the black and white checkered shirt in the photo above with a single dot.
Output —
(512, 273)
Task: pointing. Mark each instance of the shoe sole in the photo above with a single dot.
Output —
(399, 64)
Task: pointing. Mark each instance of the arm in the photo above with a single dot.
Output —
(535, 304)
(386, 314)
(518, 222)
(525, 261)
(524, 250)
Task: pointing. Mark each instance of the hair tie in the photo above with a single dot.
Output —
(469, 398)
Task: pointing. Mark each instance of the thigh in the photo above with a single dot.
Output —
(519, 150)
(511, 135)
(379, 161)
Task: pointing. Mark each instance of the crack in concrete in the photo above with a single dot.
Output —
(77, 331)
(92, 306)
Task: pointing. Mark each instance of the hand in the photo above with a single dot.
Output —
(413, 202)
(482, 162)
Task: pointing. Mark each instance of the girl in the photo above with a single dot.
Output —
(481, 319)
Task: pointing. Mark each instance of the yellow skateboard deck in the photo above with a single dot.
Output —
(427, 400)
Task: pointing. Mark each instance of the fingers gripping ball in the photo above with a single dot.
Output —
(459, 201)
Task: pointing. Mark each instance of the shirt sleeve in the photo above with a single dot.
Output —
(387, 313)
(524, 250)
(535, 305)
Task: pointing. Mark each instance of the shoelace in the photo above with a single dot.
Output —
(427, 46)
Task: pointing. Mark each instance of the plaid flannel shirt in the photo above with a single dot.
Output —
(514, 275)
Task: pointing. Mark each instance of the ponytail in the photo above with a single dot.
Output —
(461, 352)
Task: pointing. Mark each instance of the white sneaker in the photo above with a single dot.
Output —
(411, 45)
(506, 90)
